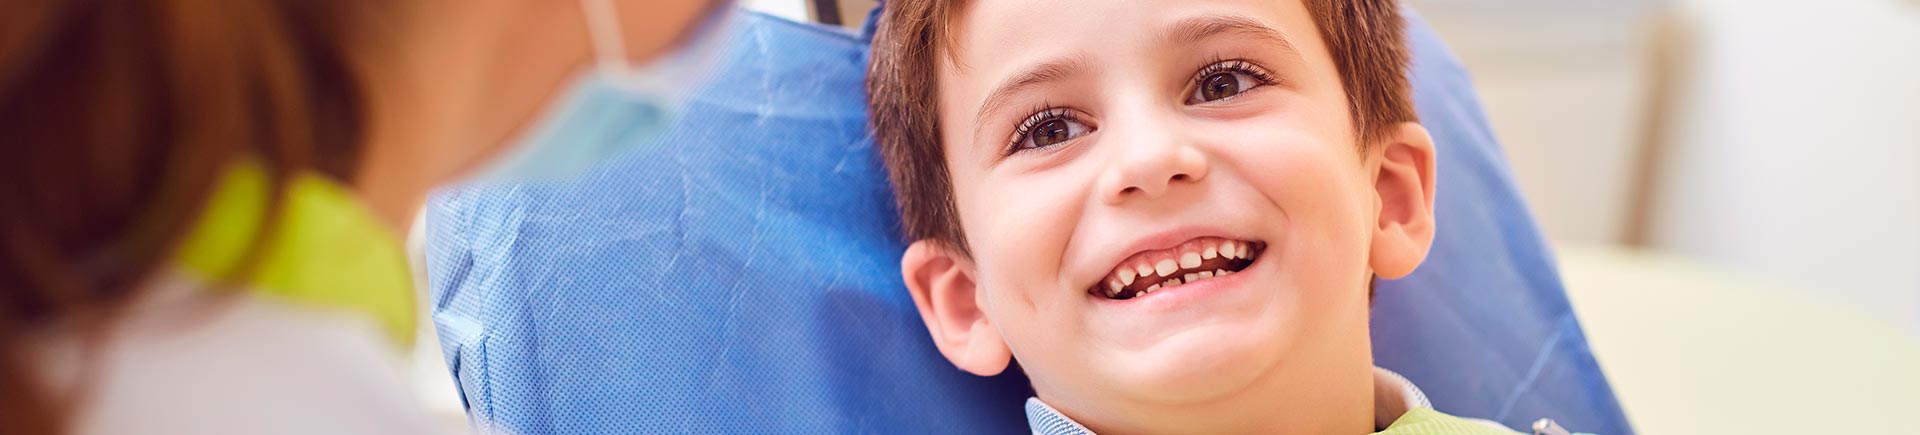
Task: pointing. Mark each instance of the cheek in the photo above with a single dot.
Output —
(1018, 225)
(1314, 179)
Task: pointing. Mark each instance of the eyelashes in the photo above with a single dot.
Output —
(1236, 66)
(1049, 126)
(1044, 114)
(1226, 79)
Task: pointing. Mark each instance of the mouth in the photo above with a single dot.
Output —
(1195, 260)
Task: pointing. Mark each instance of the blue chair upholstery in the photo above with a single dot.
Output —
(1483, 326)
(742, 277)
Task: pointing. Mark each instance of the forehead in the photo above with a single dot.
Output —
(994, 41)
(1107, 18)
(994, 29)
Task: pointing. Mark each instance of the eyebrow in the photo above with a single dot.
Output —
(1043, 73)
(1201, 28)
(1184, 32)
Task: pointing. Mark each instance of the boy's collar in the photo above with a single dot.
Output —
(1393, 396)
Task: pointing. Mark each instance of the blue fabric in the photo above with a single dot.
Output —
(743, 277)
(1483, 326)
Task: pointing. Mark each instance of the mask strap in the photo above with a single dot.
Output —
(609, 46)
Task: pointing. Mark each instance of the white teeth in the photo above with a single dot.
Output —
(1178, 270)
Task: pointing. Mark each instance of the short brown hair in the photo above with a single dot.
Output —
(1365, 38)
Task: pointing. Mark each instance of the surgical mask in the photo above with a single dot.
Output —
(614, 109)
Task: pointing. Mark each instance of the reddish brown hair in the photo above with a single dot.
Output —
(117, 118)
(1365, 37)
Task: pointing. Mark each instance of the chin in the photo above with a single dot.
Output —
(1203, 364)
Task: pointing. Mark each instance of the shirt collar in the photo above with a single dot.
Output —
(1393, 396)
(323, 249)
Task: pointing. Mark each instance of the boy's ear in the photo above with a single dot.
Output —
(1403, 187)
(943, 288)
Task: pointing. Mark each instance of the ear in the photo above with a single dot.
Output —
(1403, 187)
(949, 300)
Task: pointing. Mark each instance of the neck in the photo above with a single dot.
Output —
(407, 110)
(1333, 404)
(450, 86)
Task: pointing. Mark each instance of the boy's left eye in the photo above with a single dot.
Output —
(1227, 79)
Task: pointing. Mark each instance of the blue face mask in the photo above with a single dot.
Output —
(615, 109)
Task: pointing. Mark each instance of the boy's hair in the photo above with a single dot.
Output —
(1365, 38)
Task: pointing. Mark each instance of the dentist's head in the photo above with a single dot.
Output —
(120, 119)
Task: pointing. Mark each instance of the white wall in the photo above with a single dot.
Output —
(1796, 152)
(790, 9)
(1564, 84)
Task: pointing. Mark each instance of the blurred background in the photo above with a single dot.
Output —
(1730, 186)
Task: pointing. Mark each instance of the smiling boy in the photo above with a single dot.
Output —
(1170, 212)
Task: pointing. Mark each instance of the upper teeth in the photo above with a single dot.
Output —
(1165, 267)
(1192, 262)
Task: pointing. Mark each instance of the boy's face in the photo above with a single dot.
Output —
(1099, 143)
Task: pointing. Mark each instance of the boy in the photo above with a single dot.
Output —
(1169, 211)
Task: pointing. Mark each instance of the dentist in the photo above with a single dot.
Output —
(200, 200)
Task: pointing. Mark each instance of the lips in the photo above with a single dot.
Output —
(1159, 269)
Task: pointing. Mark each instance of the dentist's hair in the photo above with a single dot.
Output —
(1366, 39)
(116, 120)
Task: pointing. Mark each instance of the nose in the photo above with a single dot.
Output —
(1151, 160)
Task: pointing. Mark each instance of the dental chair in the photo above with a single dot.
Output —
(743, 276)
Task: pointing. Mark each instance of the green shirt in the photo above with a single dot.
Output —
(1427, 421)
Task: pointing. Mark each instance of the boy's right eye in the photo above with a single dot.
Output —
(1046, 129)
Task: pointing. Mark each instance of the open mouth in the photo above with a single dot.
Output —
(1194, 260)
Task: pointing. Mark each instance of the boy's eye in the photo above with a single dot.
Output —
(1226, 79)
(1051, 132)
(1219, 85)
(1045, 129)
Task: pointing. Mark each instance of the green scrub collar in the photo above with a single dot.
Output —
(326, 249)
